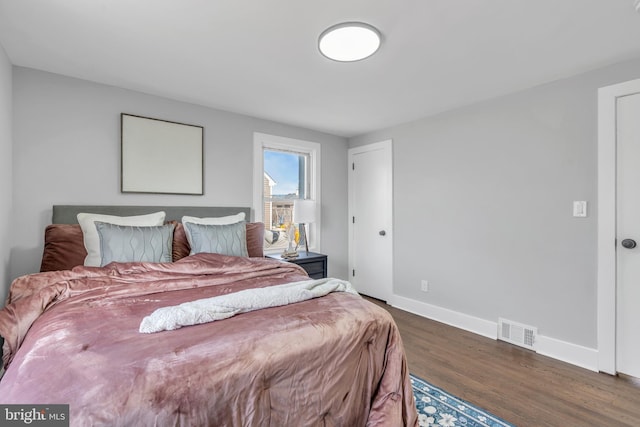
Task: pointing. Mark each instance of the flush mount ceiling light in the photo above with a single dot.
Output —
(349, 41)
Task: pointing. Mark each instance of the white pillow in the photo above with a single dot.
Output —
(271, 236)
(90, 232)
(223, 220)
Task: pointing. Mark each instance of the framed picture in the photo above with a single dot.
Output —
(159, 156)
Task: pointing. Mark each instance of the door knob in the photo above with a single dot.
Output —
(629, 243)
(383, 233)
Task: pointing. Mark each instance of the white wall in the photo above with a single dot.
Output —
(6, 170)
(483, 206)
(67, 151)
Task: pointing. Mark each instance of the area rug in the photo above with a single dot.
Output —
(438, 408)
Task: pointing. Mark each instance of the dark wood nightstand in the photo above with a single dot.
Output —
(313, 263)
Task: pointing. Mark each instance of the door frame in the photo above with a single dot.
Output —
(385, 145)
(606, 288)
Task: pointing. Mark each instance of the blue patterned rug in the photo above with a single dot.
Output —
(438, 408)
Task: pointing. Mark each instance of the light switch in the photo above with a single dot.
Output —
(580, 209)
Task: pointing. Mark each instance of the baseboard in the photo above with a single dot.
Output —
(567, 352)
(444, 315)
(574, 354)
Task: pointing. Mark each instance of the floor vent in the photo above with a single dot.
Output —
(517, 333)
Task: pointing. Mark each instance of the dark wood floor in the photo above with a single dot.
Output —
(515, 384)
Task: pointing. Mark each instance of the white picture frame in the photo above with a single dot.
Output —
(160, 156)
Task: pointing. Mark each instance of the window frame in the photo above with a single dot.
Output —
(262, 141)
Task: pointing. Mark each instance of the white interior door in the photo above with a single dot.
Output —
(371, 219)
(628, 235)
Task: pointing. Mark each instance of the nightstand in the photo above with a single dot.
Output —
(313, 263)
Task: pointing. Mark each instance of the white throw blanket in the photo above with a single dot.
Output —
(225, 306)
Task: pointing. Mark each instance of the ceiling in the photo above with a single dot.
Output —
(260, 58)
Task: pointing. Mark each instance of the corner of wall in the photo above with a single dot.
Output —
(6, 168)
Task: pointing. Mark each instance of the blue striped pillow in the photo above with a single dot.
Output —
(123, 243)
(224, 239)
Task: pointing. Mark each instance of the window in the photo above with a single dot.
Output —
(285, 170)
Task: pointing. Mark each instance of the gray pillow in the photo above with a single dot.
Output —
(126, 243)
(224, 239)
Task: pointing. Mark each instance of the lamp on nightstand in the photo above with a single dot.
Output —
(304, 212)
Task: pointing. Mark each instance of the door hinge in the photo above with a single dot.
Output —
(353, 220)
(353, 166)
(353, 272)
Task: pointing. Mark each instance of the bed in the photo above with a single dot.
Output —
(72, 336)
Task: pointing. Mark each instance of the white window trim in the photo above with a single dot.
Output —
(262, 141)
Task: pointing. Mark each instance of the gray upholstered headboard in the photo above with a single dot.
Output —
(66, 214)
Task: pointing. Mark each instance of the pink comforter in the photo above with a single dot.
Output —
(72, 337)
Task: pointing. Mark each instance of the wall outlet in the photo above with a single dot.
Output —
(580, 208)
(424, 286)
